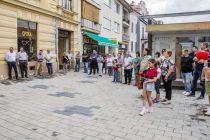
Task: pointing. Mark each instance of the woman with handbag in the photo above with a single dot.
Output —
(168, 75)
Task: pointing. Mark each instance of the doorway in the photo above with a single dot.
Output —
(63, 45)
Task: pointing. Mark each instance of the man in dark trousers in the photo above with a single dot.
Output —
(23, 61)
(199, 64)
(11, 59)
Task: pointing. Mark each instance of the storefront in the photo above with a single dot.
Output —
(95, 42)
(27, 38)
(123, 47)
(177, 37)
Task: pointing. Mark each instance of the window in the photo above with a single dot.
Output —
(116, 27)
(143, 33)
(67, 4)
(116, 7)
(107, 2)
(107, 23)
(131, 46)
(27, 37)
(136, 48)
(132, 26)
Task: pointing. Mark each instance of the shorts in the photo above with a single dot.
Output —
(207, 87)
(149, 87)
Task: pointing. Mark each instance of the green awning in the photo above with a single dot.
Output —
(101, 40)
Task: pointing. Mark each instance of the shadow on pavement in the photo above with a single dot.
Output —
(86, 111)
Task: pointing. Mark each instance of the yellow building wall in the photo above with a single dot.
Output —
(46, 27)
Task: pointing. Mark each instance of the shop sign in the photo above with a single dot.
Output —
(88, 40)
(26, 34)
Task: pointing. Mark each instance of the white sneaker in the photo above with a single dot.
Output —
(187, 93)
(167, 103)
(144, 111)
(208, 112)
(150, 110)
(184, 92)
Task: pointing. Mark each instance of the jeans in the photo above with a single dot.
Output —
(196, 76)
(168, 89)
(65, 65)
(85, 67)
(23, 68)
(110, 70)
(49, 68)
(100, 67)
(116, 76)
(157, 86)
(128, 75)
(14, 66)
(77, 66)
(187, 77)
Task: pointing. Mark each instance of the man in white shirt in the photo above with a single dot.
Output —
(11, 59)
(127, 68)
(70, 58)
(49, 62)
(23, 62)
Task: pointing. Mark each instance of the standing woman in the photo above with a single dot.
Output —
(100, 61)
(65, 62)
(110, 65)
(136, 65)
(77, 66)
(167, 67)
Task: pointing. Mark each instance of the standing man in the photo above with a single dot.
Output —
(186, 69)
(11, 59)
(199, 64)
(85, 60)
(49, 62)
(77, 66)
(127, 68)
(23, 62)
(40, 59)
(120, 65)
(70, 58)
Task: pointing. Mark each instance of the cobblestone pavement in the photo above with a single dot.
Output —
(81, 107)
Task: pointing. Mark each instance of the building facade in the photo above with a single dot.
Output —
(114, 16)
(138, 34)
(38, 25)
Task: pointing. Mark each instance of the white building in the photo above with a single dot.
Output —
(112, 14)
(137, 32)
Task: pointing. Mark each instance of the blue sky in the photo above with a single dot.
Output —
(171, 6)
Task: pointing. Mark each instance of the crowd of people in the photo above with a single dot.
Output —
(148, 72)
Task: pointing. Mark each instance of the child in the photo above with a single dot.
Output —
(157, 83)
(206, 77)
(149, 86)
(115, 67)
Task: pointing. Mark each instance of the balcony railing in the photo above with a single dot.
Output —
(126, 37)
(126, 19)
(91, 25)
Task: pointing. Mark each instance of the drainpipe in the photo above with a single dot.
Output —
(150, 38)
(56, 42)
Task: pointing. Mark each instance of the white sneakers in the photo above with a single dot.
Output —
(144, 111)
(186, 93)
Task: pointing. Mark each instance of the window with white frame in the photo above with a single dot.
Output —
(107, 23)
(132, 27)
(116, 7)
(116, 27)
(67, 4)
(107, 2)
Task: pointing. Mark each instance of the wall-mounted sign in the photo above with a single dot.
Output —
(26, 34)
(88, 40)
